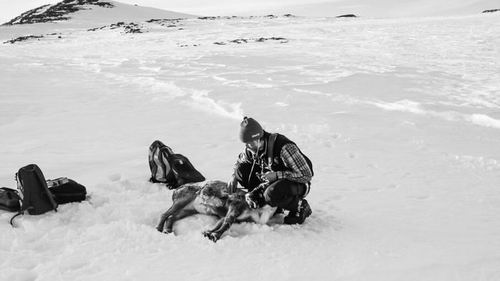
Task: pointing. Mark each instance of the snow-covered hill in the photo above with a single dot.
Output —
(80, 14)
(400, 117)
(57, 12)
(379, 8)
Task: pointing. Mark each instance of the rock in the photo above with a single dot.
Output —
(167, 22)
(257, 40)
(23, 38)
(491, 11)
(239, 41)
(347, 16)
(56, 12)
(127, 27)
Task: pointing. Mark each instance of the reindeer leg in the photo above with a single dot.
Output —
(208, 233)
(174, 209)
(225, 223)
(180, 215)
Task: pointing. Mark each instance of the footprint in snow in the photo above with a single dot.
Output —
(115, 177)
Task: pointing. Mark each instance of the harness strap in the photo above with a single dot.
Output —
(270, 148)
(251, 171)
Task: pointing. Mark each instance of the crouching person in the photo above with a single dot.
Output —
(274, 171)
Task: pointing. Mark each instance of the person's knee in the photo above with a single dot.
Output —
(275, 192)
(282, 193)
(268, 197)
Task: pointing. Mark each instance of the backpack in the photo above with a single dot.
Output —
(171, 168)
(66, 190)
(9, 200)
(35, 195)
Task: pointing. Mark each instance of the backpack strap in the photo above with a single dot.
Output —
(12, 219)
(21, 211)
(270, 148)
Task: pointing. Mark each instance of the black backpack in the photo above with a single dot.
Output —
(66, 190)
(171, 168)
(63, 190)
(35, 195)
(9, 200)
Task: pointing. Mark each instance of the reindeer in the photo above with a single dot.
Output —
(212, 198)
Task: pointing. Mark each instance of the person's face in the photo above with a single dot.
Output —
(254, 145)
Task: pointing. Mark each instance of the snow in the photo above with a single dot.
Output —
(399, 116)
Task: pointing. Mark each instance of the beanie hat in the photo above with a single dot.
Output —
(250, 130)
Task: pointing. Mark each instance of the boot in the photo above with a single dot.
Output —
(299, 216)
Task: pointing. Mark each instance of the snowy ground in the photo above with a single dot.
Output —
(400, 117)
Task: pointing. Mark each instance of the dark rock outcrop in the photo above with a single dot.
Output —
(131, 27)
(491, 11)
(253, 40)
(347, 16)
(23, 38)
(56, 12)
(54, 35)
(167, 22)
(218, 18)
(250, 17)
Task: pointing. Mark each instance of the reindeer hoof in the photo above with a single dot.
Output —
(213, 237)
(164, 230)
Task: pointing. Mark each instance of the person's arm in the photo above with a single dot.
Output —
(233, 183)
(295, 161)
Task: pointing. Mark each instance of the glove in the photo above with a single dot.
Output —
(270, 177)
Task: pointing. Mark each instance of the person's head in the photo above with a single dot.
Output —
(251, 133)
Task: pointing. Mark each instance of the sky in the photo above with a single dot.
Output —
(317, 8)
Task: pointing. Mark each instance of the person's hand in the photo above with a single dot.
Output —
(270, 177)
(232, 184)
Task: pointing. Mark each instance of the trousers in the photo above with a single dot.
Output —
(282, 193)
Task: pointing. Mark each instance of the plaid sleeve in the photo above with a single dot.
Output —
(293, 159)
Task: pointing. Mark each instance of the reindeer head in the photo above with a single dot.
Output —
(214, 193)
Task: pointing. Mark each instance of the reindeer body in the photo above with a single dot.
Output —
(212, 198)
